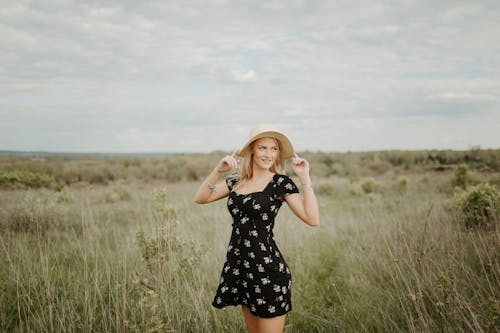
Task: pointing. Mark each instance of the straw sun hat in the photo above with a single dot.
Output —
(269, 131)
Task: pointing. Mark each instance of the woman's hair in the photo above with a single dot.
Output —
(247, 165)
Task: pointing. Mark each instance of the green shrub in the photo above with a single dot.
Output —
(369, 186)
(21, 179)
(354, 191)
(461, 177)
(63, 195)
(479, 206)
(401, 184)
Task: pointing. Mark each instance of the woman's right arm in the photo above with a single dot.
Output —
(211, 189)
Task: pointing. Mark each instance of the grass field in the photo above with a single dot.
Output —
(137, 255)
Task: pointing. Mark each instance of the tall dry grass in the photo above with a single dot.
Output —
(141, 257)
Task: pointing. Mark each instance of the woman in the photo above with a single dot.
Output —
(255, 273)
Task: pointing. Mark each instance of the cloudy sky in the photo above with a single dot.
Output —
(196, 76)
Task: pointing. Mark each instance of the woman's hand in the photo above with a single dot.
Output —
(228, 163)
(300, 166)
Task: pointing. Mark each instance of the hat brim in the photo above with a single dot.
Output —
(286, 146)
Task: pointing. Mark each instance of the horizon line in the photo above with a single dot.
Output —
(61, 152)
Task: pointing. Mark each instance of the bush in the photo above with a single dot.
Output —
(479, 207)
(461, 177)
(369, 186)
(401, 184)
(63, 195)
(21, 179)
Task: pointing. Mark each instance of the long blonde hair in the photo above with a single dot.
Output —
(247, 166)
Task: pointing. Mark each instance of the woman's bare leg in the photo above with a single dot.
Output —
(263, 325)
(272, 325)
(251, 320)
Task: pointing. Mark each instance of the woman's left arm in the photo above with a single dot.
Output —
(304, 206)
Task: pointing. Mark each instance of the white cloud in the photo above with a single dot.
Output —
(244, 75)
(76, 74)
(465, 96)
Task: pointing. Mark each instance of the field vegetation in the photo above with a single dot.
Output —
(408, 242)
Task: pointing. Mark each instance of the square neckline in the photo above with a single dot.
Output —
(255, 192)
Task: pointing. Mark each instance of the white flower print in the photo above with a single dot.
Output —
(287, 307)
(246, 287)
(287, 271)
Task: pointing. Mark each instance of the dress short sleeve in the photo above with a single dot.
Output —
(285, 186)
(231, 181)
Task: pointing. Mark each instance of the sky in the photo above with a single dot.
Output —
(197, 76)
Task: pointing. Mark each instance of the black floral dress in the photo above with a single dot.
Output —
(255, 273)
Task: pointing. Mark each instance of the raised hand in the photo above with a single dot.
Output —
(228, 163)
(300, 166)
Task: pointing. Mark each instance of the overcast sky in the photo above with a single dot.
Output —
(196, 76)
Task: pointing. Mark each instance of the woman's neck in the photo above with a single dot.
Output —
(261, 173)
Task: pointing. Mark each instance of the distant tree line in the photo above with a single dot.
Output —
(47, 170)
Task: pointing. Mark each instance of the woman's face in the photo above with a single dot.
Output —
(265, 153)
